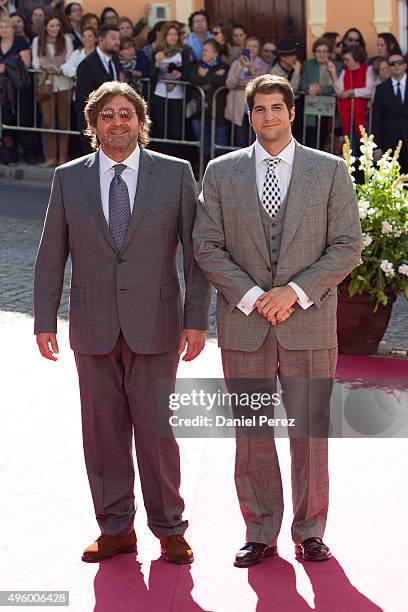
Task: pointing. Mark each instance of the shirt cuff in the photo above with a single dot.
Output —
(247, 303)
(303, 300)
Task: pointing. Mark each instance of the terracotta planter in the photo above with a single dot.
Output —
(359, 329)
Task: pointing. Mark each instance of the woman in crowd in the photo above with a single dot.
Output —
(89, 40)
(13, 45)
(109, 16)
(335, 41)
(354, 87)
(316, 80)
(268, 52)
(50, 50)
(21, 26)
(170, 62)
(134, 64)
(210, 74)
(387, 45)
(37, 20)
(353, 38)
(74, 14)
(125, 27)
(239, 36)
(90, 20)
(242, 71)
(27, 7)
(222, 35)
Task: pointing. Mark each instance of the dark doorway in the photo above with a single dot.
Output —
(264, 18)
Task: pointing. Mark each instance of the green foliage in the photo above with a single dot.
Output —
(383, 207)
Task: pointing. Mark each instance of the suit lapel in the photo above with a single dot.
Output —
(145, 184)
(299, 194)
(244, 185)
(92, 187)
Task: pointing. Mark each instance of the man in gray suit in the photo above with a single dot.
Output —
(277, 230)
(120, 213)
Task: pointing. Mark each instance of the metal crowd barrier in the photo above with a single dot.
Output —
(186, 86)
(318, 107)
(35, 127)
(144, 83)
(214, 146)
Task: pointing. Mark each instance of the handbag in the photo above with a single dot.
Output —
(44, 87)
(18, 73)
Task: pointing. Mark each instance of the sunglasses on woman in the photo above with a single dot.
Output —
(107, 114)
(352, 39)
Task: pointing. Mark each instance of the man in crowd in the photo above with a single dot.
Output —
(199, 33)
(120, 213)
(390, 111)
(277, 230)
(98, 67)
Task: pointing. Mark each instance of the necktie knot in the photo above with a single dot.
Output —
(118, 169)
(272, 162)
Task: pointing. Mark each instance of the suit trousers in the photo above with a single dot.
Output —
(306, 378)
(119, 395)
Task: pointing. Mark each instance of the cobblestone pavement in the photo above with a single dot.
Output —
(22, 210)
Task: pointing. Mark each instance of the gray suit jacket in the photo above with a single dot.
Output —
(137, 289)
(320, 246)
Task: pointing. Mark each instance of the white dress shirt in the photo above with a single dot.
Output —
(105, 61)
(129, 175)
(402, 83)
(283, 171)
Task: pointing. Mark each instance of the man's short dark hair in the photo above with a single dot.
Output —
(267, 84)
(105, 28)
(191, 18)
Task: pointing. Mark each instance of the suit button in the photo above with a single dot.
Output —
(120, 260)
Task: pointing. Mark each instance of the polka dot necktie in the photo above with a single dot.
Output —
(119, 206)
(271, 196)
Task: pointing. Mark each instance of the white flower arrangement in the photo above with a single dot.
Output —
(383, 210)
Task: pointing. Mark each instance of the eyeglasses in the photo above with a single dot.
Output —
(266, 50)
(352, 39)
(397, 63)
(107, 114)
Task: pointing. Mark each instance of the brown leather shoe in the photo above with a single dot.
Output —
(176, 550)
(107, 546)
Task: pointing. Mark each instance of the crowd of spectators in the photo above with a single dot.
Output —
(73, 53)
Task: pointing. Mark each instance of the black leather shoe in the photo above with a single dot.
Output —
(313, 549)
(253, 553)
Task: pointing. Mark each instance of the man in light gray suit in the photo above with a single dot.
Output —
(277, 230)
(120, 213)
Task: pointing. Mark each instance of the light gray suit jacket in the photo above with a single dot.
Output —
(137, 289)
(320, 246)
